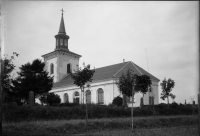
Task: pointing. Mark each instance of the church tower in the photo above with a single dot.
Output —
(61, 61)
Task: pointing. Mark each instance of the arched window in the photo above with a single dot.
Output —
(61, 41)
(65, 42)
(76, 97)
(100, 95)
(66, 98)
(88, 96)
(150, 89)
(51, 68)
(56, 42)
(68, 68)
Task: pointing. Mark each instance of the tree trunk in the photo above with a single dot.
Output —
(86, 112)
(168, 102)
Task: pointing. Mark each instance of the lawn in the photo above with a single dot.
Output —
(148, 126)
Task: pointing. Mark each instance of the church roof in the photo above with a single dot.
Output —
(108, 72)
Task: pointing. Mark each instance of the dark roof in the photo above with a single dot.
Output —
(112, 71)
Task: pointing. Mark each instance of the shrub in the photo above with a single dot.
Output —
(50, 99)
(117, 101)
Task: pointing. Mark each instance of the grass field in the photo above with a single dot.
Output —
(148, 126)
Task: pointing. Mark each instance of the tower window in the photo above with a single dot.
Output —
(61, 41)
(68, 68)
(56, 42)
(51, 68)
(65, 42)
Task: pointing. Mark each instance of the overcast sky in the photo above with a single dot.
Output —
(105, 33)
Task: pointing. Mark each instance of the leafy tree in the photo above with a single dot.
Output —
(130, 83)
(143, 83)
(117, 101)
(167, 86)
(6, 78)
(32, 77)
(50, 99)
(126, 83)
(81, 78)
(172, 97)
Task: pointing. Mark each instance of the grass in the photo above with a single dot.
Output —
(142, 126)
(167, 131)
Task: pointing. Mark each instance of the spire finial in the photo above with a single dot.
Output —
(62, 11)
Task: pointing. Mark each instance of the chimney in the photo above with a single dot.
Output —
(123, 60)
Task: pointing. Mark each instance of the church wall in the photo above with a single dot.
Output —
(63, 61)
(110, 92)
(154, 93)
(47, 67)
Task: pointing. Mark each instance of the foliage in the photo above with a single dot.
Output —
(167, 86)
(128, 80)
(117, 101)
(6, 79)
(82, 76)
(32, 77)
(50, 99)
(12, 112)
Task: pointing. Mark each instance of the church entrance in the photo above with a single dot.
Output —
(76, 97)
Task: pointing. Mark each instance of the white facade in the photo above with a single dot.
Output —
(110, 90)
(60, 60)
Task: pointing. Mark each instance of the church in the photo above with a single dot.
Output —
(103, 89)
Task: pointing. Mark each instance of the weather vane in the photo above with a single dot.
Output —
(62, 11)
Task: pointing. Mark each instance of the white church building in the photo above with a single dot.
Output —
(103, 89)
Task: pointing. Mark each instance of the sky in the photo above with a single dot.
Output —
(160, 36)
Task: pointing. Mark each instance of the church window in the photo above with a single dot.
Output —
(68, 68)
(88, 96)
(65, 42)
(76, 97)
(56, 42)
(66, 98)
(150, 89)
(51, 68)
(61, 41)
(151, 100)
(100, 95)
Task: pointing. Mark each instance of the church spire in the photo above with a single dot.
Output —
(62, 25)
(61, 37)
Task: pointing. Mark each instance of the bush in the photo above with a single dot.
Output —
(12, 112)
(117, 101)
(50, 99)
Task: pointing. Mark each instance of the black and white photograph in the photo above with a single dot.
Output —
(100, 68)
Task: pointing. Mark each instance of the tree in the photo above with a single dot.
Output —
(143, 83)
(117, 101)
(172, 97)
(32, 77)
(167, 86)
(126, 82)
(50, 99)
(6, 78)
(130, 83)
(81, 77)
